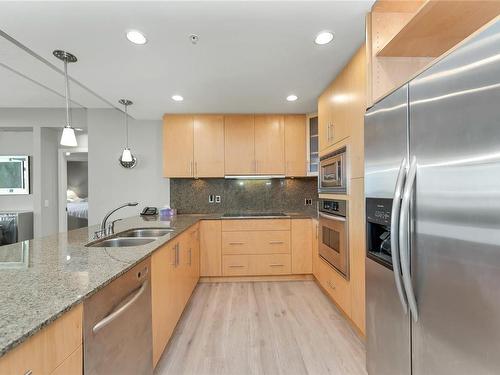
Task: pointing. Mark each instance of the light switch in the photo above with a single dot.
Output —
(46, 203)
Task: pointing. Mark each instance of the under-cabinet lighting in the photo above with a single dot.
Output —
(254, 177)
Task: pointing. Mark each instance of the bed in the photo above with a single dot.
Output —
(78, 211)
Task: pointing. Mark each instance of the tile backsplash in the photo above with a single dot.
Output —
(192, 196)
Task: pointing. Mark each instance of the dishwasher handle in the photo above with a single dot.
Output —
(119, 310)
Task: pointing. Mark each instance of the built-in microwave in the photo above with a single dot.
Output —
(332, 172)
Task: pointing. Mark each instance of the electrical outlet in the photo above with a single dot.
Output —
(210, 198)
(308, 202)
(217, 199)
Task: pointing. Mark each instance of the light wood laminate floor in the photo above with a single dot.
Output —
(262, 328)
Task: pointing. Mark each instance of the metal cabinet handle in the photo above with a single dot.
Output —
(29, 372)
(191, 168)
(332, 217)
(121, 308)
(275, 242)
(174, 263)
(177, 257)
(190, 256)
(195, 169)
(276, 265)
(404, 229)
(236, 266)
(236, 243)
(396, 205)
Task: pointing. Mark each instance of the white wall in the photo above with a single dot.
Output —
(16, 143)
(110, 184)
(45, 125)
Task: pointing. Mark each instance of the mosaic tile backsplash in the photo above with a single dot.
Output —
(272, 195)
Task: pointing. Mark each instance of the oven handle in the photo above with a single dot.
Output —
(404, 239)
(332, 217)
(396, 205)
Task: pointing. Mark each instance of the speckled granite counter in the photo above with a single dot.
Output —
(43, 278)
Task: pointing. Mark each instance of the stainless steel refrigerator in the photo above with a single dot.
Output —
(433, 218)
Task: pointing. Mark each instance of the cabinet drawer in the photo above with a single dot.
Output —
(255, 224)
(270, 264)
(46, 350)
(238, 242)
(273, 242)
(256, 242)
(235, 265)
(335, 285)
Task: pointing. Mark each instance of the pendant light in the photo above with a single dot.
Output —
(68, 135)
(127, 160)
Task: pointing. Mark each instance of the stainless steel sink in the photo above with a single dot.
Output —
(145, 232)
(121, 242)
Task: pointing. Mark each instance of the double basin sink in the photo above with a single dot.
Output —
(131, 237)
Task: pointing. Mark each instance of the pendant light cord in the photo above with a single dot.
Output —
(67, 93)
(126, 122)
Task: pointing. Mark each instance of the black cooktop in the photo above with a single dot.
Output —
(254, 214)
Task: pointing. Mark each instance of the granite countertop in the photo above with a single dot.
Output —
(43, 278)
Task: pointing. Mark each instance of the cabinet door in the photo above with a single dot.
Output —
(269, 144)
(239, 147)
(163, 297)
(315, 253)
(295, 145)
(178, 146)
(357, 251)
(210, 248)
(324, 119)
(208, 146)
(301, 246)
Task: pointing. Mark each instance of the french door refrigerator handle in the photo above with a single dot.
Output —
(396, 205)
(404, 238)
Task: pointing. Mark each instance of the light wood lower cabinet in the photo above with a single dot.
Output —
(315, 248)
(256, 242)
(257, 247)
(210, 248)
(256, 265)
(335, 285)
(56, 345)
(72, 365)
(175, 270)
(301, 246)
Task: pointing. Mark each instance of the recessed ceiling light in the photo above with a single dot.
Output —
(324, 37)
(291, 98)
(136, 37)
(177, 98)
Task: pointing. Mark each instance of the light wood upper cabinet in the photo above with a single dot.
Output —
(178, 146)
(295, 146)
(269, 144)
(325, 120)
(218, 145)
(208, 146)
(239, 146)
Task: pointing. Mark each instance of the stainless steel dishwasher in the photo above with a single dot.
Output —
(117, 326)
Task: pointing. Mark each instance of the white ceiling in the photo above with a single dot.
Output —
(250, 55)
